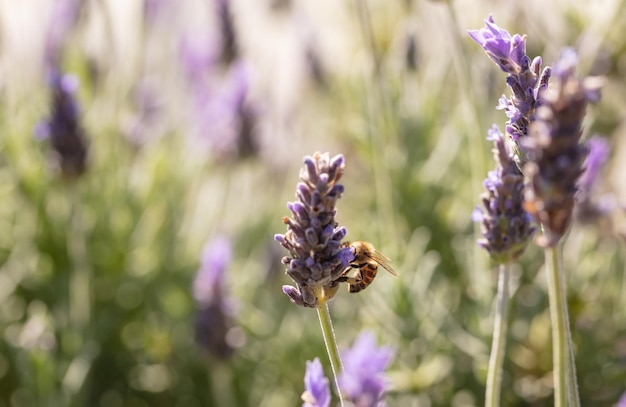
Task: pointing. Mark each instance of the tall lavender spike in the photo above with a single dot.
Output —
(63, 127)
(524, 79)
(316, 388)
(214, 313)
(554, 149)
(505, 225)
(362, 380)
(316, 259)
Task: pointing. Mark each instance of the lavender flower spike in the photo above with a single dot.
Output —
(555, 152)
(316, 388)
(588, 209)
(505, 225)
(63, 127)
(214, 314)
(316, 257)
(362, 380)
(525, 78)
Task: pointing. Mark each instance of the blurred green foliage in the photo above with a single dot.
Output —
(96, 274)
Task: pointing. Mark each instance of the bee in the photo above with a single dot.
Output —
(366, 261)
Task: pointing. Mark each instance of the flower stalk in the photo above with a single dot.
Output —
(331, 345)
(498, 344)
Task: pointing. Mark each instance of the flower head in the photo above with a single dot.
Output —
(214, 315)
(316, 258)
(361, 380)
(316, 388)
(526, 79)
(554, 150)
(63, 127)
(505, 225)
(507, 51)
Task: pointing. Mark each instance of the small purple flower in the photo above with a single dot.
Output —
(214, 314)
(316, 388)
(506, 51)
(505, 225)
(63, 127)
(622, 401)
(316, 257)
(361, 380)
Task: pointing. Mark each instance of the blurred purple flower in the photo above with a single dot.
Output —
(223, 117)
(622, 401)
(144, 125)
(209, 283)
(316, 259)
(63, 127)
(588, 208)
(554, 149)
(199, 54)
(63, 17)
(596, 158)
(214, 315)
(316, 388)
(155, 9)
(361, 380)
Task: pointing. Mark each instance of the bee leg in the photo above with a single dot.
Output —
(351, 280)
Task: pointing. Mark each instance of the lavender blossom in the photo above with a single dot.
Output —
(224, 118)
(316, 258)
(361, 380)
(622, 401)
(63, 17)
(505, 225)
(214, 314)
(316, 388)
(554, 150)
(63, 127)
(587, 210)
(524, 79)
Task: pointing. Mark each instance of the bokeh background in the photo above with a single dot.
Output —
(197, 115)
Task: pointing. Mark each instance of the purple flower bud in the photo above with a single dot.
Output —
(316, 388)
(361, 380)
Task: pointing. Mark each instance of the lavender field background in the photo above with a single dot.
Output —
(146, 273)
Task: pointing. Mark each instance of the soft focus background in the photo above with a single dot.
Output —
(197, 115)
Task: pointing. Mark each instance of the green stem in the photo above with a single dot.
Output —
(560, 331)
(557, 277)
(79, 284)
(498, 345)
(331, 345)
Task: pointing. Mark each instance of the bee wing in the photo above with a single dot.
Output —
(382, 260)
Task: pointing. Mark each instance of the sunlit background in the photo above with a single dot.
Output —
(196, 116)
